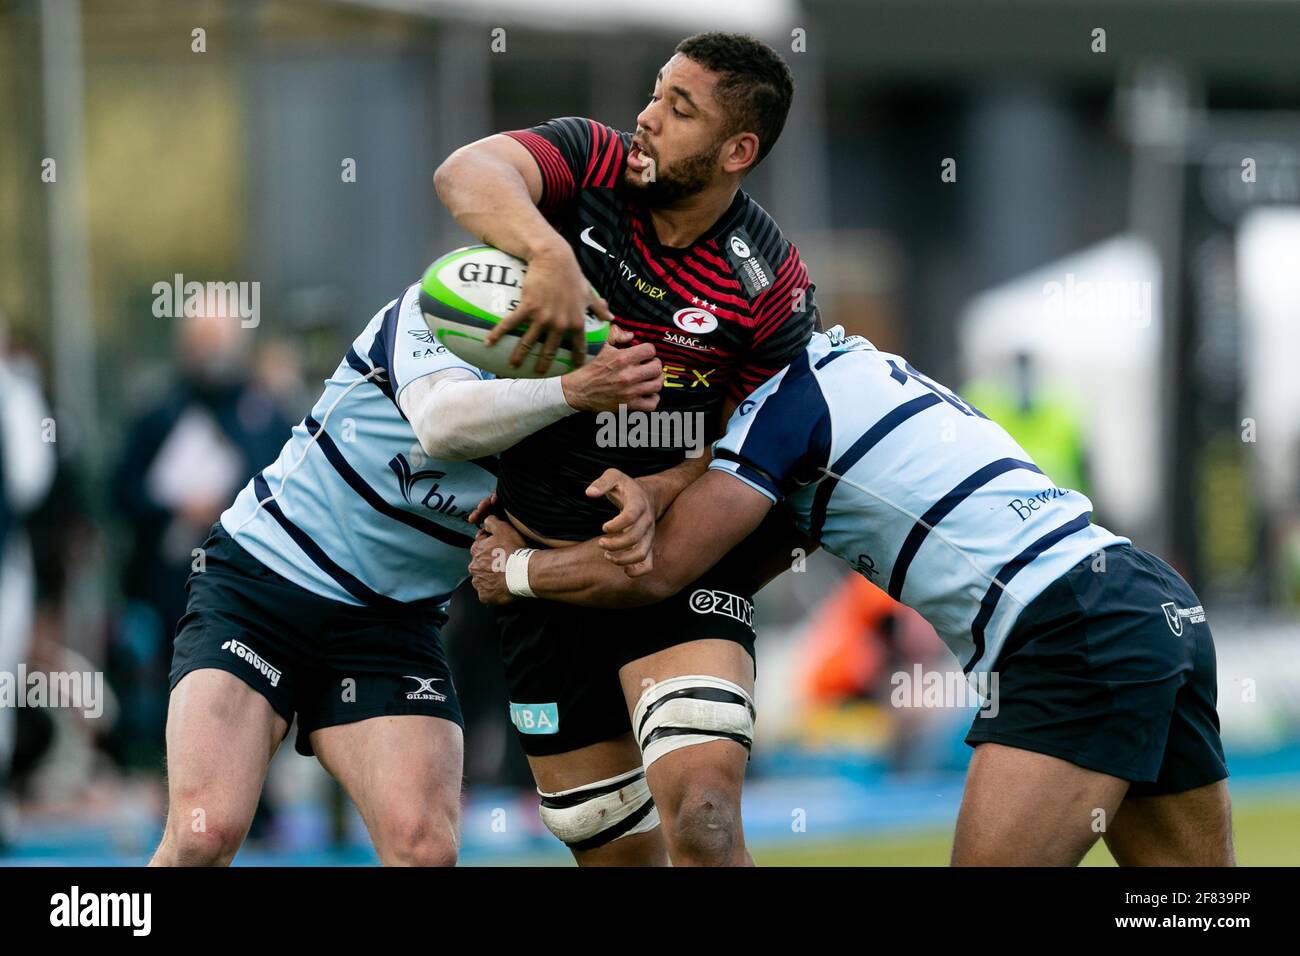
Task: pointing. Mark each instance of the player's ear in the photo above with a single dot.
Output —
(739, 153)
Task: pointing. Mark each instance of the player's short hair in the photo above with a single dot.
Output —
(755, 86)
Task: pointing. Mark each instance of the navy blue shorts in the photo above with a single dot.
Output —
(1114, 671)
(326, 662)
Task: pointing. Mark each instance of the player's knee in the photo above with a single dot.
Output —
(203, 842)
(417, 839)
(702, 823)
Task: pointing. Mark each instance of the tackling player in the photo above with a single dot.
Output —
(657, 222)
(322, 590)
(1107, 688)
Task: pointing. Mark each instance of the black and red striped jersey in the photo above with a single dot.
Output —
(724, 315)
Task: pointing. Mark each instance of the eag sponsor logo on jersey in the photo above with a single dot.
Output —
(246, 653)
(431, 348)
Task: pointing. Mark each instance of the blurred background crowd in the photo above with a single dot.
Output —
(1084, 216)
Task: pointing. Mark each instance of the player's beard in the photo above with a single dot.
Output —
(683, 179)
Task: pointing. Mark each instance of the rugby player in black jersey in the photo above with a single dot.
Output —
(635, 717)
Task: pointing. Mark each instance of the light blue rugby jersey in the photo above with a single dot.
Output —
(361, 515)
(918, 490)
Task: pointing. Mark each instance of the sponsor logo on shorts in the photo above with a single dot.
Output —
(246, 653)
(535, 718)
(425, 691)
(704, 601)
(1175, 616)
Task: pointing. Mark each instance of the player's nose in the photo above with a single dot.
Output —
(645, 120)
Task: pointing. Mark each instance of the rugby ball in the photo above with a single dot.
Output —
(468, 291)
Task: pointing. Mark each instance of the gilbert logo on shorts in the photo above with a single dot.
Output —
(425, 691)
(246, 653)
(1175, 616)
(720, 602)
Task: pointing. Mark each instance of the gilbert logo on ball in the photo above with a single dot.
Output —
(466, 293)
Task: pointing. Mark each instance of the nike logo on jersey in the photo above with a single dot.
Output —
(585, 236)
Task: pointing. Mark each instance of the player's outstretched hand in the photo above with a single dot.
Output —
(618, 375)
(629, 535)
(487, 559)
(553, 301)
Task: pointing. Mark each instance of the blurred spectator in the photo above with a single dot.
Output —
(184, 459)
(26, 469)
(853, 646)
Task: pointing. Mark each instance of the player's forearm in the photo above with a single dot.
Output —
(457, 419)
(665, 486)
(489, 198)
(581, 574)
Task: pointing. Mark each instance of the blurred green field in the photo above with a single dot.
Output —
(1266, 833)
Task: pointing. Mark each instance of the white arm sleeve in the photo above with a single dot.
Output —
(457, 417)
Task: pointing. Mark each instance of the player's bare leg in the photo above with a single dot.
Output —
(1022, 808)
(404, 775)
(221, 735)
(562, 773)
(1193, 828)
(697, 788)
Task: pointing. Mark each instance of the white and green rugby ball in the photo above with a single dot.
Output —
(468, 291)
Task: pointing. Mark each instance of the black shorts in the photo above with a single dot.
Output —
(327, 662)
(1114, 671)
(562, 661)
